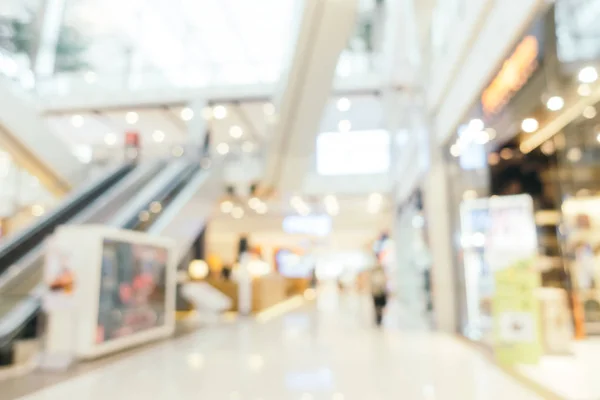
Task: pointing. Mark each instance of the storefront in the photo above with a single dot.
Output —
(527, 159)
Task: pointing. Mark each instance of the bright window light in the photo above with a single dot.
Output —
(353, 153)
(317, 225)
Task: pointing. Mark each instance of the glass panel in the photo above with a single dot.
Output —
(157, 43)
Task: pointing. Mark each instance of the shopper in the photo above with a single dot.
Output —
(379, 292)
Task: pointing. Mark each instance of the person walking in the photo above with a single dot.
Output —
(379, 292)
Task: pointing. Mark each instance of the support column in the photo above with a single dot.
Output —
(439, 232)
(49, 21)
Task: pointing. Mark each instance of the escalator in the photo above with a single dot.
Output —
(22, 256)
(150, 195)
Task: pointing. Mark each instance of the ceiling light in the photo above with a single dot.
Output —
(343, 104)
(37, 210)
(296, 201)
(237, 212)
(177, 151)
(584, 90)
(574, 154)
(375, 197)
(247, 147)
(374, 203)
(144, 216)
(530, 125)
(482, 137)
(256, 362)
(588, 75)
(272, 119)
(262, 209)
(220, 112)
(331, 205)
(555, 103)
(254, 202)
(197, 270)
(491, 133)
(158, 136)
(222, 148)
(506, 154)
(269, 109)
(598, 138)
(77, 121)
(90, 77)
(476, 125)
(469, 194)
(132, 117)
(548, 148)
(493, 159)
(226, 206)
(344, 125)
(207, 113)
(155, 207)
(455, 150)
(110, 139)
(236, 132)
(187, 114)
(589, 112)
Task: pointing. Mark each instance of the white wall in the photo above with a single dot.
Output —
(459, 31)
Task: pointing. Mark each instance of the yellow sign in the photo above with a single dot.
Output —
(517, 315)
(515, 72)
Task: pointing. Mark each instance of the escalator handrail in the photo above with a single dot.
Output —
(19, 244)
(13, 322)
(168, 191)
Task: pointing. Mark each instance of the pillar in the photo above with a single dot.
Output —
(439, 233)
(49, 21)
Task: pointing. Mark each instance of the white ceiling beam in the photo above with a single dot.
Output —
(94, 99)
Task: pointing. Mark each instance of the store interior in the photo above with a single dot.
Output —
(536, 132)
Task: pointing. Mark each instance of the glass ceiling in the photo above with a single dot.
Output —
(184, 42)
(117, 45)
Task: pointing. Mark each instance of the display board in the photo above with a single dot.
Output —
(132, 289)
(510, 251)
(120, 287)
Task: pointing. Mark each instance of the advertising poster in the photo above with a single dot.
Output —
(59, 277)
(511, 248)
(132, 289)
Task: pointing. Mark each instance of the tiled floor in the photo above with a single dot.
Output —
(328, 350)
(573, 376)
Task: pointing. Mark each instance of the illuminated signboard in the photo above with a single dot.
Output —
(515, 72)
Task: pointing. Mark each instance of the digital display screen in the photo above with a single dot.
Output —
(132, 289)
